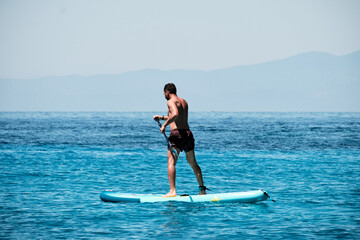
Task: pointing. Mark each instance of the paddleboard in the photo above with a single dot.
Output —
(243, 197)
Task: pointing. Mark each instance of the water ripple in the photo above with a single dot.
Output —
(54, 165)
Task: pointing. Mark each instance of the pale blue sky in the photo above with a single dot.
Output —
(42, 38)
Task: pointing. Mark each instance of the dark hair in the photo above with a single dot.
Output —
(170, 87)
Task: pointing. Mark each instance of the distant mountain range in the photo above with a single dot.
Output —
(312, 81)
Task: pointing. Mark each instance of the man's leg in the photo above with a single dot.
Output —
(172, 158)
(190, 157)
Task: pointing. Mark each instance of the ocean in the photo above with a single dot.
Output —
(55, 164)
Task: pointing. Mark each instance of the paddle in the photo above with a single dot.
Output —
(167, 140)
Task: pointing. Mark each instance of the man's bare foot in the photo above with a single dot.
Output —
(170, 194)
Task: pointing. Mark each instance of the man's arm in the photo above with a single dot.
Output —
(156, 117)
(173, 114)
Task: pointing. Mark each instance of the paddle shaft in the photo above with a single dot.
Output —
(167, 140)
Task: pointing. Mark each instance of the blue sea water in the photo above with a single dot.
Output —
(55, 164)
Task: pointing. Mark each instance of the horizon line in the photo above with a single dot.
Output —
(151, 111)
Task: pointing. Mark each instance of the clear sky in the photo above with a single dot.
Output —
(44, 38)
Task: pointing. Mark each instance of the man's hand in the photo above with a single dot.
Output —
(157, 117)
(162, 129)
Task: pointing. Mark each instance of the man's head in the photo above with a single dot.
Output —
(169, 88)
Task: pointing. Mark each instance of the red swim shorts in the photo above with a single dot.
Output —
(182, 139)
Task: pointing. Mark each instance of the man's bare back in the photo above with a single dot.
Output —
(181, 121)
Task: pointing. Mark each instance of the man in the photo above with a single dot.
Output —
(181, 138)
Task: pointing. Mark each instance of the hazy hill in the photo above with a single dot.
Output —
(306, 82)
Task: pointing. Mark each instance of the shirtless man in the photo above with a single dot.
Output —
(181, 137)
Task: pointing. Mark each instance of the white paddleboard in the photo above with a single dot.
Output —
(244, 197)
